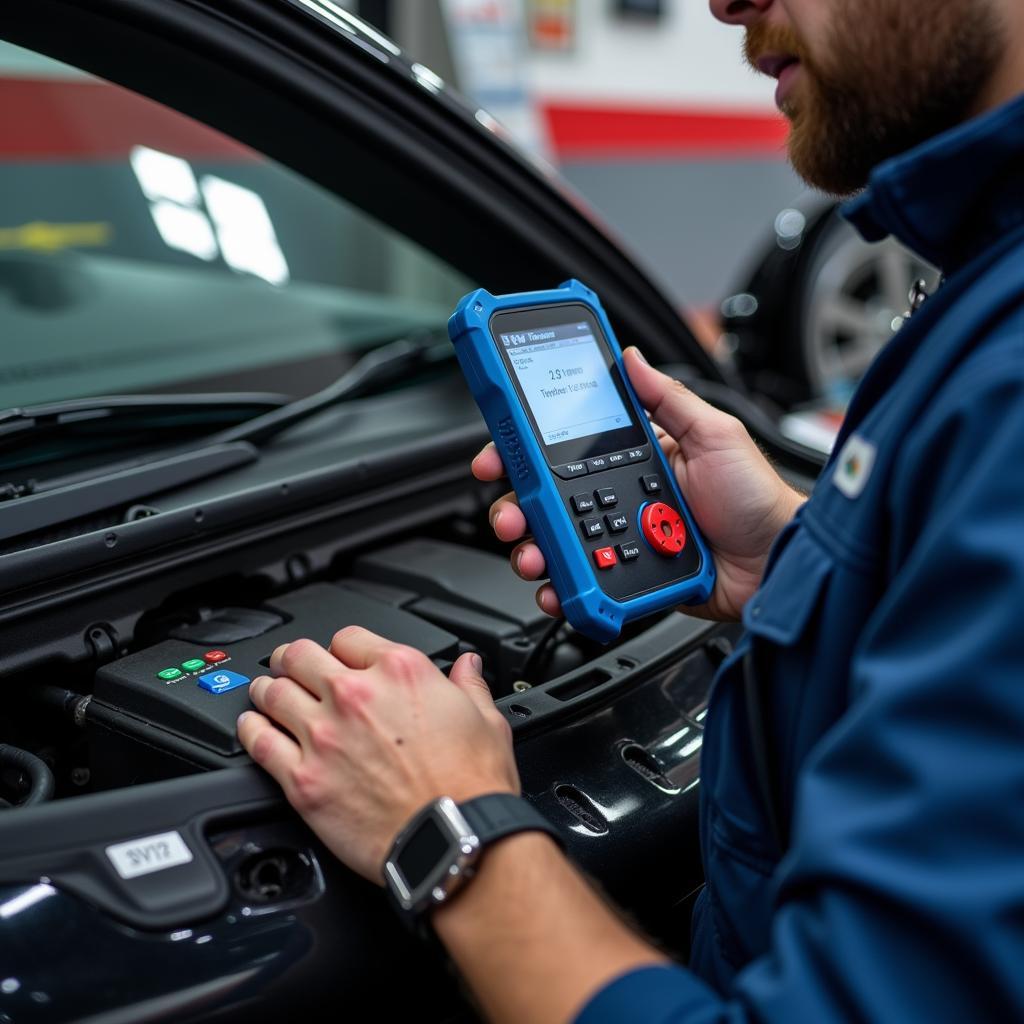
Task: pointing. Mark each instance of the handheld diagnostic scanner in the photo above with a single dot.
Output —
(599, 496)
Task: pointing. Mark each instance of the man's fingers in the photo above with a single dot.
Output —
(671, 404)
(285, 701)
(548, 601)
(507, 519)
(466, 674)
(359, 648)
(307, 663)
(528, 561)
(487, 465)
(268, 746)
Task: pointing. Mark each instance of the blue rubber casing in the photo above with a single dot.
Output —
(586, 606)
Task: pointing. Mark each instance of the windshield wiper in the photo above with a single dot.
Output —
(80, 494)
(49, 431)
(89, 427)
(379, 369)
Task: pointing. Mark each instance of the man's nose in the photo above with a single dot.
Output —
(739, 12)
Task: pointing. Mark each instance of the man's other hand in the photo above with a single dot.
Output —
(739, 501)
(362, 735)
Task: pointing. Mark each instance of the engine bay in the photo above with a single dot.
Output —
(171, 707)
(126, 646)
(164, 702)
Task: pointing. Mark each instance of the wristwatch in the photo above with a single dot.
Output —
(438, 850)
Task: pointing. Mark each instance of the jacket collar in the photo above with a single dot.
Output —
(952, 197)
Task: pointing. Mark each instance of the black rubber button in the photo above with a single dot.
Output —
(618, 522)
(639, 454)
(582, 503)
(571, 469)
(591, 528)
(598, 464)
(628, 552)
(606, 497)
(651, 483)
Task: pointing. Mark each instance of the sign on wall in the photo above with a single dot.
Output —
(487, 43)
(551, 24)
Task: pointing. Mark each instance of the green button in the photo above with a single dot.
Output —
(169, 673)
(193, 664)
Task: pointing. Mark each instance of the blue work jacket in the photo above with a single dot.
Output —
(888, 639)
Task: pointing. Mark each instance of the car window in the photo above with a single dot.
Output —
(142, 250)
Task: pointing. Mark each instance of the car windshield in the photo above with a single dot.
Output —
(141, 250)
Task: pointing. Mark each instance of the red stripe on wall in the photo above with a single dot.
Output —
(584, 132)
(50, 119)
(54, 119)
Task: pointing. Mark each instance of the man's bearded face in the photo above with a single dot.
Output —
(889, 75)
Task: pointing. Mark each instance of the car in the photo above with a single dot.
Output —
(231, 232)
(817, 305)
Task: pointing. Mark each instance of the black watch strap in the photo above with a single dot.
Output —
(491, 818)
(497, 815)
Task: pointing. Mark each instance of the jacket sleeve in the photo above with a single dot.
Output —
(902, 897)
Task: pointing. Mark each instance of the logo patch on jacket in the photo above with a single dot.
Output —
(854, 465)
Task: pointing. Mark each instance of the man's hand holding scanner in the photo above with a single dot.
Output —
(740, 503)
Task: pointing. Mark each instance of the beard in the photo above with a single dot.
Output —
(893, 74)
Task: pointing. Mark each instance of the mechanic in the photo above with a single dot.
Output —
(863, 842)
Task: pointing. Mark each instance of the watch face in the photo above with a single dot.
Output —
(421, 855)
(431, 856)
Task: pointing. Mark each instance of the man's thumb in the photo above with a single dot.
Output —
(467, 675)
(671, 404)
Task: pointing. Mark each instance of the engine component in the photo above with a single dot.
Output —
(470, 592)
(227, 625)
(35, 769)
(178, 700)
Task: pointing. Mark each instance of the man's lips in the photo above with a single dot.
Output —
(784, 67)
(774, 64)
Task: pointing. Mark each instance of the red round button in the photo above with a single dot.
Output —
(663, 529)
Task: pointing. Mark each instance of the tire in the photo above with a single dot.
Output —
(849, 302)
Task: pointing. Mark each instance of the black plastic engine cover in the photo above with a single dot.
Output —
(132, 697)
(464, 590)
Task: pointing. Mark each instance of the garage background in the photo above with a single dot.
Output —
(644, 106)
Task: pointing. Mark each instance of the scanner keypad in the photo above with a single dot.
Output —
(635, 564)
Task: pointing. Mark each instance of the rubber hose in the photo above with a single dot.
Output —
(39, 775)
